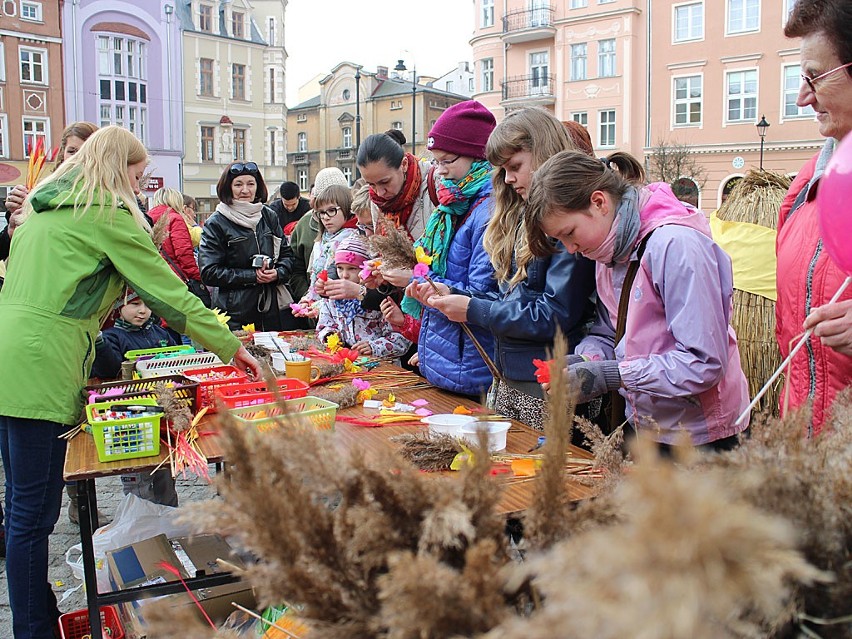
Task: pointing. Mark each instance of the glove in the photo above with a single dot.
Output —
(593, 379)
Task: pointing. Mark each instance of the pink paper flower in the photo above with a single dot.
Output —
(366, 272)
(360, 384)
(419, 402)
(423, 412)
(420, 270)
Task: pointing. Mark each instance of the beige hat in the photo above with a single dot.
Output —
(328, 177)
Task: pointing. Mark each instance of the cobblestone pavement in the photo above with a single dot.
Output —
(67, 534)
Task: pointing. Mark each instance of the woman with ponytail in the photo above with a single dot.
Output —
(663, 340)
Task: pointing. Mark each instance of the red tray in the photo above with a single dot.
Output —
(253, 393)
(207, 387)
(75, 625)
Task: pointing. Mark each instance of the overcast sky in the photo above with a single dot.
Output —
(321, 33)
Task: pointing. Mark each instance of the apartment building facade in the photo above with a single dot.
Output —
(31, 100)
(123, 64)
(234, 88)
(323, 130)
(640, 74)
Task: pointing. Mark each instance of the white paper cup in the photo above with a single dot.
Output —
(278, 362)
(496, 432)
(447, 423)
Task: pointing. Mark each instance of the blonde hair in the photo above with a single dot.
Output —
(98, 175)
(530, 129)
(361, 199)
(168, 197)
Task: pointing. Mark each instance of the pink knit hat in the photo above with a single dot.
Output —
(462, 129)
(353, 250)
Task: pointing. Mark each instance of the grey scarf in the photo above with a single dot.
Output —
(627, 229)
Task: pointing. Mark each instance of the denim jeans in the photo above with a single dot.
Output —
(33, 457)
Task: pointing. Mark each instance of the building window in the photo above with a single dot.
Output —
(470, 85)
(238, 81)
(689, 22)
(33, 65)
(270, 31)
(122, 81)
(4, 135)
(607, 127)
(35, 129)
(302, 142)
(578, 61)
(272, 85)
(606, 58)
(788, 8)
(449, 88)
(347, 173)
(205, 18)
(741, 96)
(792, 83)
(579, 4)
(396, 125)
(581, 117)
(303, 179)
(205, 72)
(238, 21)
(31, 11)
(743, 15)
(208, 144)
(272, 157)
(347, 137)
(239, 145)
(302, 117)
(688, 100)
(538, 71)
(2, 66)
(487, 13)
(487, 74)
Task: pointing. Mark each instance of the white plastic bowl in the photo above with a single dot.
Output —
(447, 423)
(496, 431)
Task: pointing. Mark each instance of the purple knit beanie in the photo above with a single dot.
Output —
(463, 129)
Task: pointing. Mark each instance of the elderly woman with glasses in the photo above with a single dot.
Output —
(244, 254)
(807, 277)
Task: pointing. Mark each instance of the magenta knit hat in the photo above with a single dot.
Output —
(353, 250)
(462, 129)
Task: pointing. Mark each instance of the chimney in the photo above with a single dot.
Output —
(382, 73)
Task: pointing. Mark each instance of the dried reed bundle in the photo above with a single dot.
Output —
(175, 411)
(160, 231)
(428, 452)
(687, 559)
(393, 245)
(304, 342)
(327, 368)
(344, 396)
(757, 199)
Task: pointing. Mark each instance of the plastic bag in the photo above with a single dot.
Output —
(135, 519)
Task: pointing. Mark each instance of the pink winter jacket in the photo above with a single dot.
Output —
(679, 363)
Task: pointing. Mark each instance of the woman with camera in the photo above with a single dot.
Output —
(244, 255)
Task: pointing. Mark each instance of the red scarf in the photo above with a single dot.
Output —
(398, 208)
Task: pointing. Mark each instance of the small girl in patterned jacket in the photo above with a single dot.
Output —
(368, 332)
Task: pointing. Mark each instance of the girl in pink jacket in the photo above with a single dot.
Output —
(673, 358)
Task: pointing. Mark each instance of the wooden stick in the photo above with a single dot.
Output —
(251, 613)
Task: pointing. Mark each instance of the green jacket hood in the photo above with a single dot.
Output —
(63, 192)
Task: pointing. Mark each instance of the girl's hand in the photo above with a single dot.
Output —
(266, 275)
(392, 312)
(396, 276)
(244, 361)
(414, 360)
(15, 200)
(340, 289)
(363, 347)
(453, 306)
(832, 323)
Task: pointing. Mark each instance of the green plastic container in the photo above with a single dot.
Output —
(182, 349)
(130, 438)
(320, 413)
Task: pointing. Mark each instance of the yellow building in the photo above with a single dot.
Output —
(323, 131)
(233, 92)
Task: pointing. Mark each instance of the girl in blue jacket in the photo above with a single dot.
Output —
(537, 294)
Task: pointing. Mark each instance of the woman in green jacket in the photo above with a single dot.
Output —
(85, 240)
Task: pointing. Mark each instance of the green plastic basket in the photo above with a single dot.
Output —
(320, 413)
(130, 438)
(182, 349)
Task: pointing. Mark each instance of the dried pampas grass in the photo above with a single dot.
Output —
(393, 245)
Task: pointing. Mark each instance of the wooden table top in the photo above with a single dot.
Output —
(81, 461)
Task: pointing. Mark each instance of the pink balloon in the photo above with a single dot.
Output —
(834, 202)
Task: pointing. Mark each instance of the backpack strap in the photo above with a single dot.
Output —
(430, 184)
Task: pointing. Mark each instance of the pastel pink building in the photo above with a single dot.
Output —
(639, 74)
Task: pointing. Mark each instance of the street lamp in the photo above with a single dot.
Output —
(400, 66)
(761, 131)
(357, 118)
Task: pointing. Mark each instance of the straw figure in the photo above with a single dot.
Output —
(745, 227)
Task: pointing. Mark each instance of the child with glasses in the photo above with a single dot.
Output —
(332, 208)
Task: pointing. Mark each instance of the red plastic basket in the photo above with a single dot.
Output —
(224, 375)
(253, 393)
(75, 625)
(186, 390)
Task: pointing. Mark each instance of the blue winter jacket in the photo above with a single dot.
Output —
(448, 359)
(559, 291)
(115, 341)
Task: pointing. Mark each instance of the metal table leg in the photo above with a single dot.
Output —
(88, 510)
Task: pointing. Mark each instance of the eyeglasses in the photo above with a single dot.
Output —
(239, 167)
(811, 82)
(330, 213)
(445, 162)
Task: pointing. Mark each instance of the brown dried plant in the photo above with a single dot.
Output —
(160, 231)
(394, 246)
(175, 410)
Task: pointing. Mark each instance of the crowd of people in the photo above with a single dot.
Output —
(520, 230)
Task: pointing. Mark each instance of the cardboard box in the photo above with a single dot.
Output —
(139, 564)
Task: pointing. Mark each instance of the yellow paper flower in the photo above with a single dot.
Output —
(249, 328)
(221, 317)
(392, 398)
(365, 395)
(351, 367)
(422, 256)
(333, 343)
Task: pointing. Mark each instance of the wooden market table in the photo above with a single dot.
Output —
(82, 466)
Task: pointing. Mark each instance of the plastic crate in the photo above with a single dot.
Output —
(175, 365)
(129, 438)
(75, 625)
(207, 387)
(254, 393)
(321, 413)
(185, 389)
(165, 351)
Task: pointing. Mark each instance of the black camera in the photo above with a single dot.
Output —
(260, 261)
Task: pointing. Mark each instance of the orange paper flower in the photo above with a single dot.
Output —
(461, 410)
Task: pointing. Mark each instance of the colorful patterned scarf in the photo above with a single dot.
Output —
(454, 200)
(398, 208)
